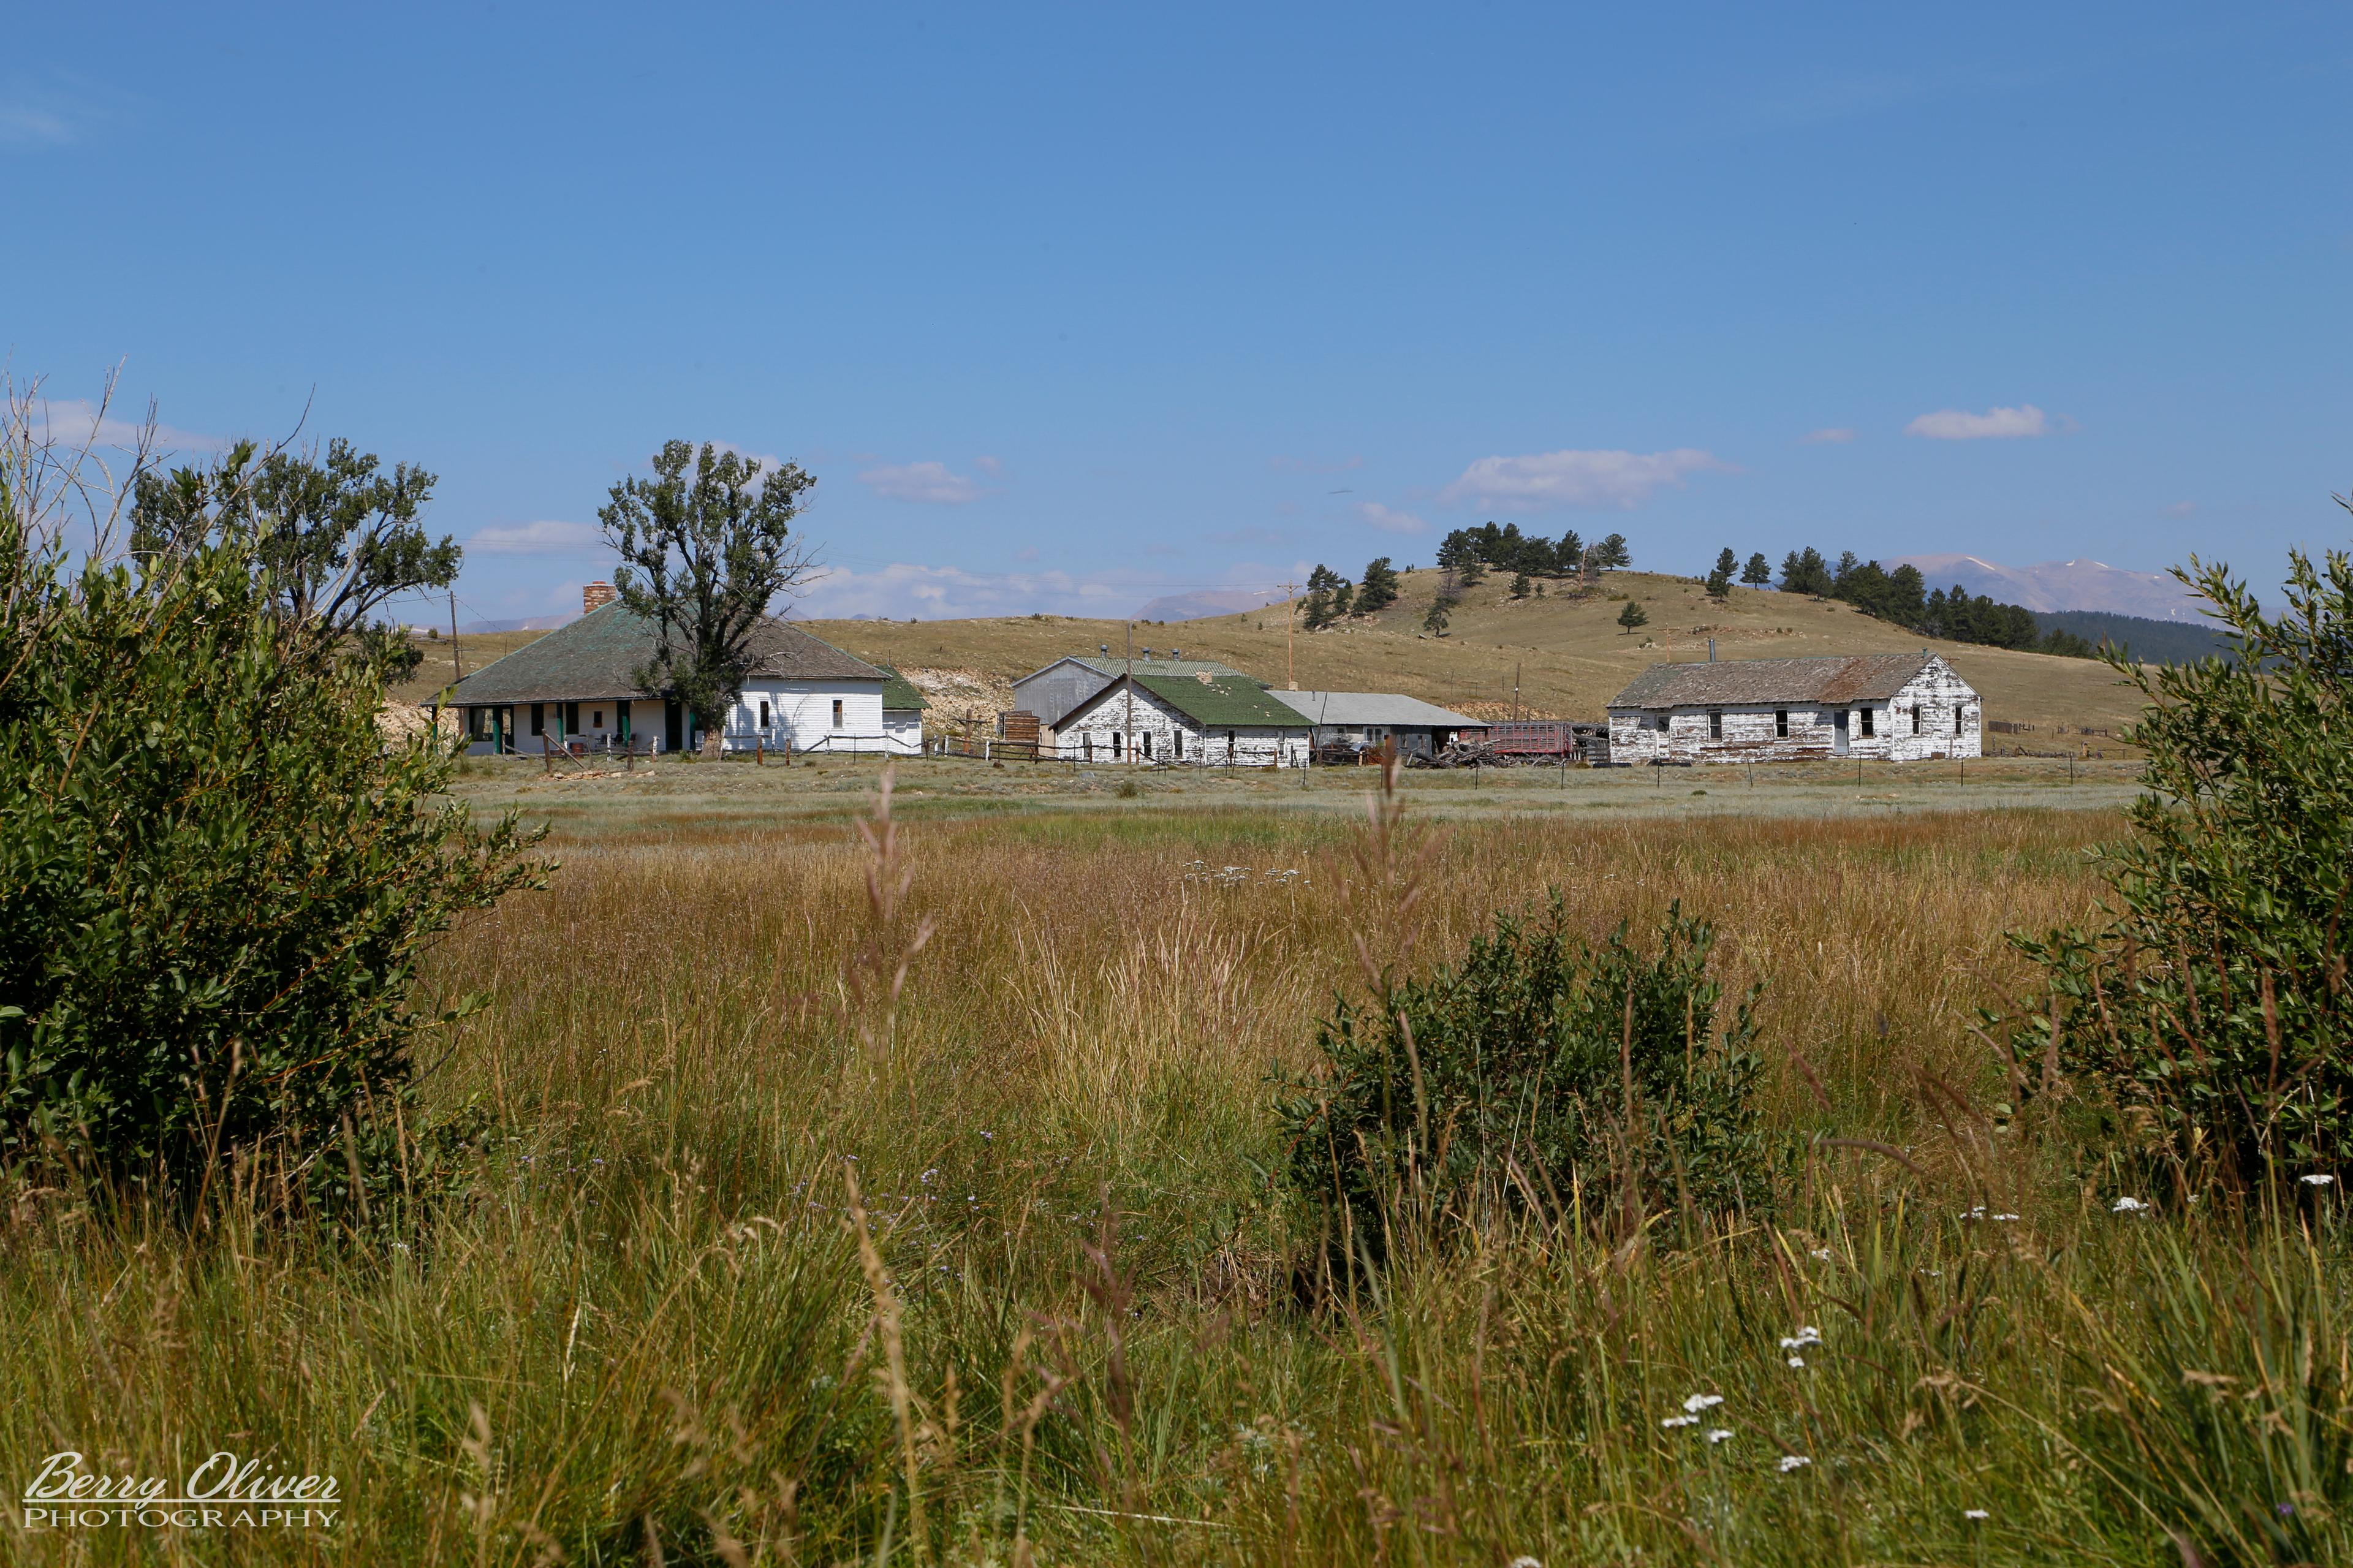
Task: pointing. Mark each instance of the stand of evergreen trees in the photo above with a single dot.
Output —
(1902, 596)
(1471, 553)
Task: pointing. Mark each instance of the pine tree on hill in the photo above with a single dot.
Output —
(1378, 590)
(1632, 616)
(1719, 582)
(1757, 574)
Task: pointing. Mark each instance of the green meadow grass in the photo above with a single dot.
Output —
(759, 1264)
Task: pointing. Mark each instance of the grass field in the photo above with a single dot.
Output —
(762, 1263)
(1567, 653)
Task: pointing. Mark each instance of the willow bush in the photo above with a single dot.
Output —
(2207, 1019)
(216, 878)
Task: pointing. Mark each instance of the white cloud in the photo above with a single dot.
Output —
(903, 589)
(1611, 478)
(929, 482)
(1388, 522)
(992, 467)
(1994, 424)
(25, 125)
(544, 538)
(1829, 435)
(75, 421)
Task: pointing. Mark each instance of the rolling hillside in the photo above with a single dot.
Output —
(1570, 652)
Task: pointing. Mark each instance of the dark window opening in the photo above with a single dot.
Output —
(1867, 731)
(539, 718)
(1956, 720)
(763, 715)
(1716, 726)
(1176, 745)
(1915, 718)
(599, 720)
(572, 718)
(1147, 745)
(837, 712)
(1118, 744)
(1780, 723)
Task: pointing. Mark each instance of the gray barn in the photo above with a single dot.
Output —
(1900, 707)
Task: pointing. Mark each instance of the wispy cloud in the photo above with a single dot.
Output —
(542, 538)
(1374, 514)
(76, 420)
(930, 483)
(1830, 434)
(1993, 425)
(902, 589)
(28, 125)
(1582, 479)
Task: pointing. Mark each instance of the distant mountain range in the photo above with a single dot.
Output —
(528, 624)
(2058, 585)
(1206, 602)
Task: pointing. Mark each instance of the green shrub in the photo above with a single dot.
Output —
(1579, 1065)
(216, 878)
(2209, 1015)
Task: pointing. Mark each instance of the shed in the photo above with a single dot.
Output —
(1061, 687)
(1370, 718)
(1901, 707)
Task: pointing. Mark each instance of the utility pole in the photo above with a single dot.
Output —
(1290, 621)
(1131, 694)
(455, 663)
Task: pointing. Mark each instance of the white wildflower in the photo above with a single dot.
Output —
(1797, 1361)
(1804, 1336)
(1525, 1562)
(1794, 1462)
(1699, 1402)
(1679, 1421)
(2127, 1205)
(1824, 1253)
(1718, 1434)
(2319, 1179)
(1975, 1513)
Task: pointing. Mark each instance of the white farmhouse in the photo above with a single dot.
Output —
(1899, 707)
(1063, 686)
(577, 688)
(1201, 718)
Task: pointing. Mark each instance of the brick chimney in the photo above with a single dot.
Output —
(596, 595)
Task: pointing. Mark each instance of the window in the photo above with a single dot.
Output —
(600, 718)
(1087, 744)
(1662, 724)
(1716, 726)
(572, 718)
(1780, 723)
(837, 712)
(1176, 745)
(1866, 723)
(539, 718)
(1915, 718)
(1147, 745)
(763, 716)
(1957, 719)
(1118, 742)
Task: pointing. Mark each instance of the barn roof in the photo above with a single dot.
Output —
(898, 692)
(1232, 701)
(599, 656)
(1390, 708)
(1852, 677)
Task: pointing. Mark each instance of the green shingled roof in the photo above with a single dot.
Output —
(1222, 700)
(898, 692)
(598, 655)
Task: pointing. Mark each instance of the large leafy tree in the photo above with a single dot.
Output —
(705, 546)
(331, 539)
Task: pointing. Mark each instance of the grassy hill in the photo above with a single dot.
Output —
(1570, 655)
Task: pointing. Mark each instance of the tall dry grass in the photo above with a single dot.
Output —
(751, 1274)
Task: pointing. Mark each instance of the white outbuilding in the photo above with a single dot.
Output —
(1899, 707)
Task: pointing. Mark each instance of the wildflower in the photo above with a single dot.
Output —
(1804, 1336)
(1679, 1421)
(1975, 1513)
(2319, 1179)
(1794, 1462)
(2127, 1205)
(1699, 1402)
(1824, 1253)
(1718, 1434)
(1797, 1361)
(1524, 1561)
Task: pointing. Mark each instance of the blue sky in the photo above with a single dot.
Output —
(1069, 306)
